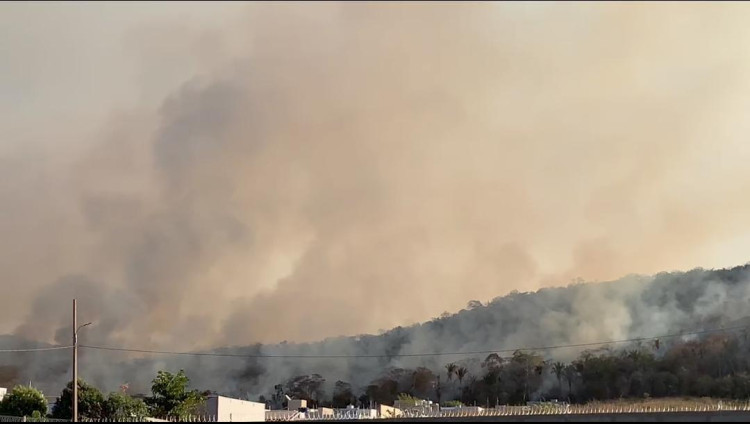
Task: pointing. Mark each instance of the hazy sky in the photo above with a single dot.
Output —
(202, 174)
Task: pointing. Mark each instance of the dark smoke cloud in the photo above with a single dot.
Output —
(325, 169)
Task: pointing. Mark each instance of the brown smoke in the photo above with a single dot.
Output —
(322, 169)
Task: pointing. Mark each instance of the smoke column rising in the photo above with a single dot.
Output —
(247, 173)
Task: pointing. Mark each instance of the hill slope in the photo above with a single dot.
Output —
(634, 306)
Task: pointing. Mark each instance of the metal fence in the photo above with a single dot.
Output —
(339, 415)
(579, 410)
(504, 411)
(187, 419)
(501, 411)
(280, 416)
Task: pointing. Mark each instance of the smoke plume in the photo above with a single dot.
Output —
(270, 172)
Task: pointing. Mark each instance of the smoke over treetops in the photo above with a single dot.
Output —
(269, 172)
(632, 307)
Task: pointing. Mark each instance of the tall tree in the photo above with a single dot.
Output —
(343, 395)
(308, 387)
(558, 368)
(90, 402)
(461, 373)
(120, 406)
(493, 361)
(23, 401)
(525, 372)
(451, 369)
(570, 375)
(170, 397)
(423, 382)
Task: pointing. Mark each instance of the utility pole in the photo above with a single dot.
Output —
(75, 362)
(76, 328)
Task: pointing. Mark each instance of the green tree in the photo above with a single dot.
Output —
(406, 400)
(524, 372)
(570, 374)
(493, 361)
(119, 406)
(451, 369)
(171, 397)
(558, 368)
(90, 402)
(343, 395)
(23, 401)
(308, 387)
(383, 390)
(422, 382)
(461, 373)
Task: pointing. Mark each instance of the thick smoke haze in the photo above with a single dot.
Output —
(202, 176)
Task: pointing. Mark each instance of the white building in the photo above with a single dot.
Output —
(235, 410)
(3, 391)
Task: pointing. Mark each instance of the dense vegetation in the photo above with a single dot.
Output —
(378, 368)
(715, 366)
(23, 401)
(705, 364)
(170, 398)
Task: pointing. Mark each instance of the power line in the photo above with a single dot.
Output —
(38, 349)
(403, 355)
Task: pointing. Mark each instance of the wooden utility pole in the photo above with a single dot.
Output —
(75, 362)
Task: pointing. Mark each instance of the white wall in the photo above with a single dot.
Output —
(233, 410)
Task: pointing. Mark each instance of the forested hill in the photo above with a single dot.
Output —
(632, 307)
